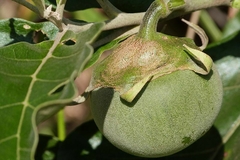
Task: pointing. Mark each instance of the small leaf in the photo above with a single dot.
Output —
(18, 30)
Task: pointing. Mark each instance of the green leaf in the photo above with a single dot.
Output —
(226, 52)
(18, 30)
(90, 15)
(37, 81)
(232, 26)
(228, 120)
(229, 69)
(227, 46)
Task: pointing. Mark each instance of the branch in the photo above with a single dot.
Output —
(60, 7)
(123, 20)
(130, 19)
(47, 13)
(110, 10)
(54, 17)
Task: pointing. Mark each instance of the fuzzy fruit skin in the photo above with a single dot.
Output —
(168, 115)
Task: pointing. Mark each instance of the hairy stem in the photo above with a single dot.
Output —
(149, 25)
(157, 10)
(60, 7)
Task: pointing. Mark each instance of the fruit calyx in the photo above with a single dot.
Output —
(148, 55)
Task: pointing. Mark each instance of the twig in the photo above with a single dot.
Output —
(123, 20)
(60, 7)
(108, 8)
(129, 19)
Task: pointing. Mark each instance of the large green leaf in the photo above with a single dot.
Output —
(229, 69)
(228, 120)
(36, 81)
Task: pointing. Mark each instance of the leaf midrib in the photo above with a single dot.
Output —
(27, 98)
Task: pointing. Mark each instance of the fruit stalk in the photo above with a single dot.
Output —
(157, 10)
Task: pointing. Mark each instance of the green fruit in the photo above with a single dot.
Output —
(169, 114)
(155, 94)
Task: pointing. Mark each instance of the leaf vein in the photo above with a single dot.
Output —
(231, 87)
(34, 78)
(14, 75)
(10, 105)
(8, 138)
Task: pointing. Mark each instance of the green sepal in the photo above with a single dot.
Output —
(133, 92)
(204, 61)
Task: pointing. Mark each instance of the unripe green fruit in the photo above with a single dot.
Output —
(169, 114)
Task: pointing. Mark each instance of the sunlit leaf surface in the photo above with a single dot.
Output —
(36, 81)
